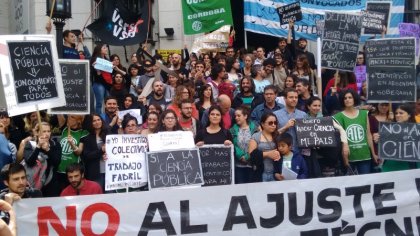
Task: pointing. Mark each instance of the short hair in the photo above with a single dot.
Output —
(11, 169)
(269, 61)
(304, 82)
(356, 97)
(285, 138)
(75, 167)
(66, 33)
(109, 98)
(281, 39)
(270, 87)
(289, 90)
(185, 101)
(127, 118)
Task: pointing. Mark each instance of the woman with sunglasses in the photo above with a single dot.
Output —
(263, 149)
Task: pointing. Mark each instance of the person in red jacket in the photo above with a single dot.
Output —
(78, 184)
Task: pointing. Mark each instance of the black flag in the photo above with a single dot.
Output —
(119, 26)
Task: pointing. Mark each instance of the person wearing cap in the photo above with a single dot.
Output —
(148, 75)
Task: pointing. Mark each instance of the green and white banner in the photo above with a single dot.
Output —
(201, 16)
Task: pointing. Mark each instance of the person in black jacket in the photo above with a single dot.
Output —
(94, 150)
(43, 151)
(247, 95)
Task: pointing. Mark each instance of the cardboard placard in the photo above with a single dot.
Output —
(103, 65)
(315, 132)
(174, 168)
(126, 161)
(217, 164)
(381, 7)
(340, 42)
(171, 140)
(134, 112)
(373, 21)
(76, 81)
(289, 12)
(390, 70)
(30, 74)
(399, 141)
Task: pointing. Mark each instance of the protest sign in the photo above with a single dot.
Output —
(378, 204)
(390, 70)
(174, 168)
(216, 41)
(379, 7)
(217, 164)
(134, 112)
(320, 24)
(31, 77)
(103, 65)
(171, 140)
(290, 12)
(315, 132)
(340, 42)
(166, 52)
(76, 81)
(399, 141)
(373, 21)
(360, 73)
(126, 163)
(410, 30)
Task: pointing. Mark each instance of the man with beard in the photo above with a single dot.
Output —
(78, 184)
(187, 122)
(270, 104)
(148, 75)
(247, 95)
(269, 65)
(110, 116)
(178, 68)
(156, 97)
(14, 177)
(301, 47)
(302, 88)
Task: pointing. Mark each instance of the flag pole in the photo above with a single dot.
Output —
(246, 40)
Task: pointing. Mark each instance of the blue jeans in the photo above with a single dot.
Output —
(362, 167)
(100, 93)
(268, 177)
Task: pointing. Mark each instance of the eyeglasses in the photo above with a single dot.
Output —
(271, 123)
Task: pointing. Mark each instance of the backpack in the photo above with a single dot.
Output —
(38, 175)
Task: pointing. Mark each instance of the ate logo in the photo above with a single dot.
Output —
(355, 133)
(197, 25)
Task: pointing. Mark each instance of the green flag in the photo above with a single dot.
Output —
(202, 16)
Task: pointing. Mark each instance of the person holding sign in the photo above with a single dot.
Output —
(356, 124)
(214, 132)
(262, 148)
(403, 114)
(101, 80)
(289, 159)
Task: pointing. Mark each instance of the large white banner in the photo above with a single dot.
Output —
(126, 161)
(369, 205)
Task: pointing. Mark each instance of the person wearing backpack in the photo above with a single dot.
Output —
(42, 158)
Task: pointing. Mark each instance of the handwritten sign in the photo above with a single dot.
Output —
(75, 74)
(380, 7)
(103, 65)
(290, 12)
(174, 168)
(340, 43)
(171, 140)
(410, 30)
(134, 112)
(320, 24)
(30, 74)
(315, 132)
(399, 141)
(390, 70)
(373, 21)
(217, 164)
(126, 163)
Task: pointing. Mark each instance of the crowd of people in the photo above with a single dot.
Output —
(249, 100)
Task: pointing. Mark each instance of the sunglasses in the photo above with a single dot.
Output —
(271, 123)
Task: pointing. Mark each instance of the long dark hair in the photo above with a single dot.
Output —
(215, 107)
(89, 122)
(97, 53)
(410, 109)
(264, 118)
(161, 125)
(201, 97)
